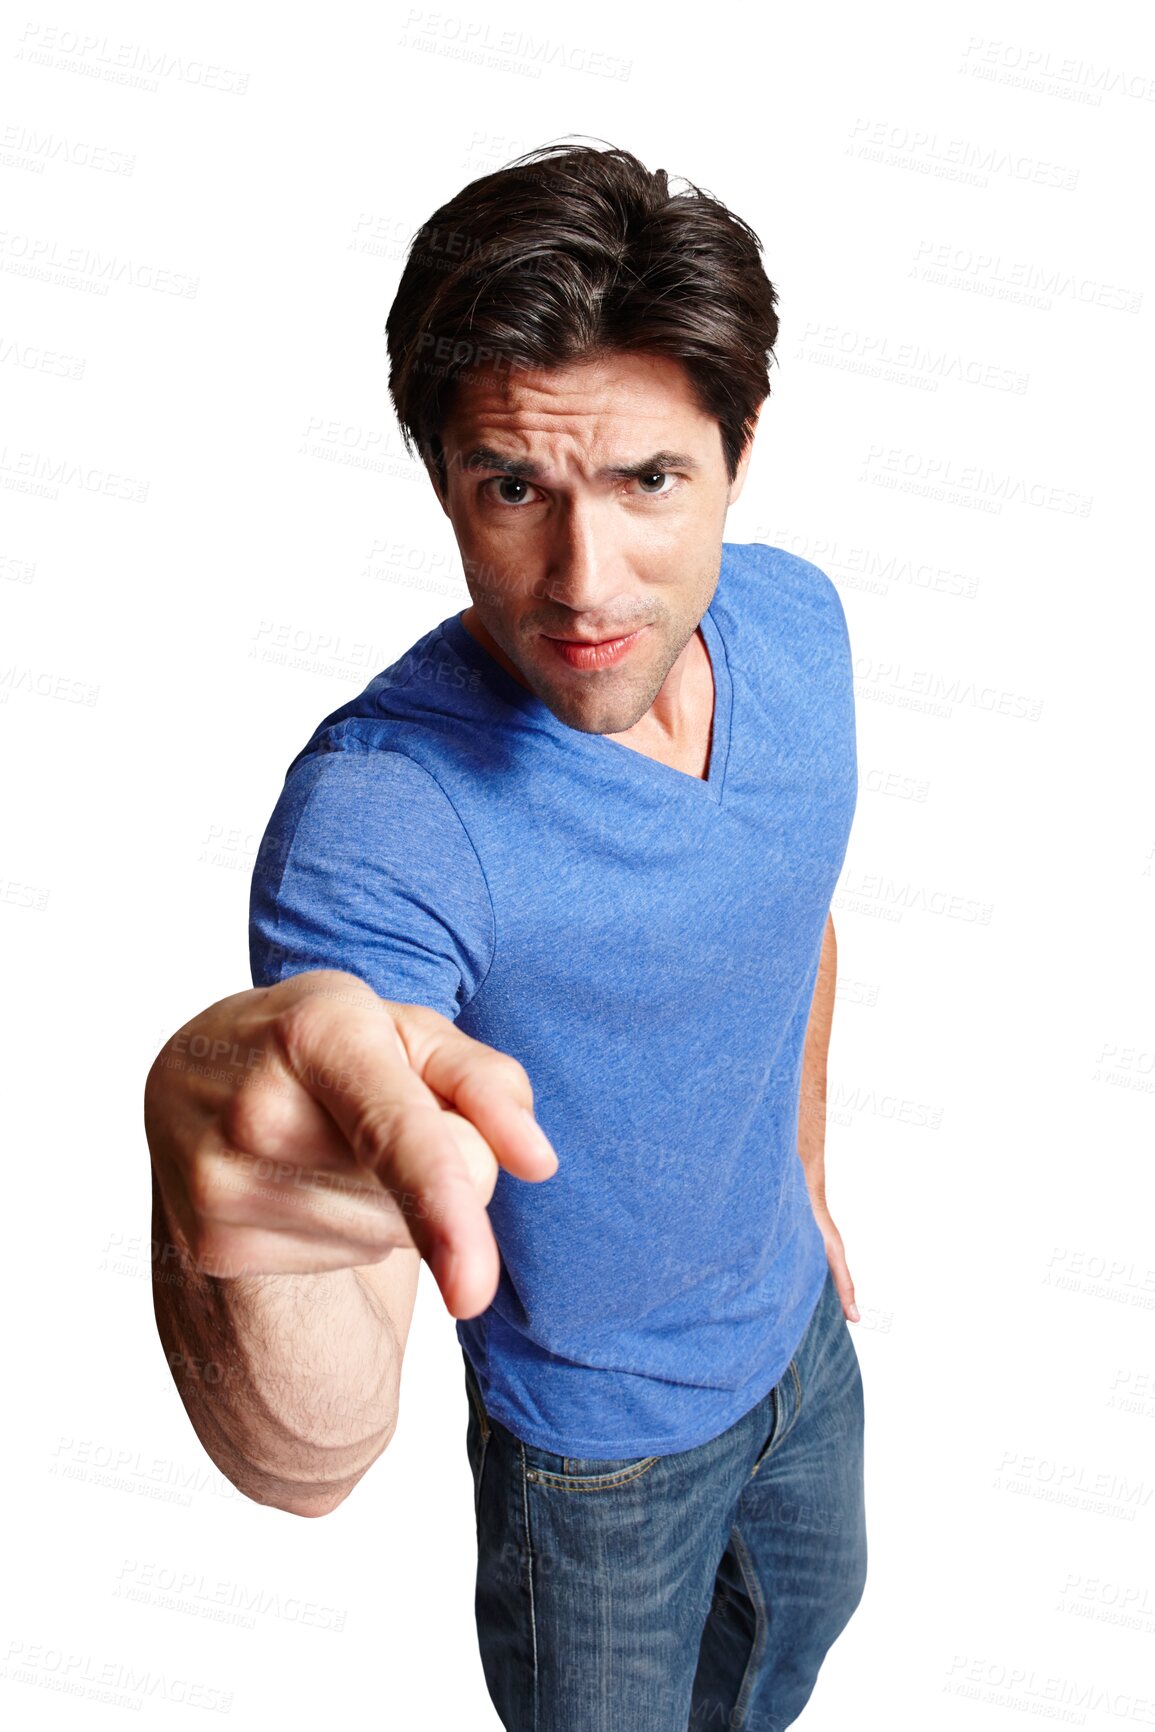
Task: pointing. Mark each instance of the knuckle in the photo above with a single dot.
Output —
(376, 1127)
(249, 1120)
(509, 1070)
(317, 982)
(300, 1026)
(204, 1191)
(420, 1015)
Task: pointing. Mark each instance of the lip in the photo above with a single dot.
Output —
(593, 653)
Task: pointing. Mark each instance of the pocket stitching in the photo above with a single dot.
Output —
(591, 1482)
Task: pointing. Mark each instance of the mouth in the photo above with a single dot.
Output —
(593, 652)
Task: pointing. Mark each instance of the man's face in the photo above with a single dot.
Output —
(557, 541)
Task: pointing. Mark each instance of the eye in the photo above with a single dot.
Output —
(499, 481)
(658, 475)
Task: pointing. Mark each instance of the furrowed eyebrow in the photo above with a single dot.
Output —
(485, 458)
(660, 460)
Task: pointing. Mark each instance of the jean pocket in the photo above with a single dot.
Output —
(583, 1473)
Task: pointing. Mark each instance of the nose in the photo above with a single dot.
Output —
(583, 565)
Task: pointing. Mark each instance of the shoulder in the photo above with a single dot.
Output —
(408, 705)
(365, 865)
(769, 588)
(357, 782)
(780, 573)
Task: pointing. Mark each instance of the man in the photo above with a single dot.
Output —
(574, 851)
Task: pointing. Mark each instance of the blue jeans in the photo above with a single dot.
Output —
(695, 1592)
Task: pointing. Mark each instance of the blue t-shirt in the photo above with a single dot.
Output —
(646, 943)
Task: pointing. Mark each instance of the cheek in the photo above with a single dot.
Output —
(498, 586)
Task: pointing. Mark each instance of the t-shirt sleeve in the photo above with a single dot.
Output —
(365, 866)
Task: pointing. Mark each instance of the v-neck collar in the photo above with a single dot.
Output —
(521, 698)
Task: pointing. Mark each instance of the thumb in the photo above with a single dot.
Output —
(844, 1286)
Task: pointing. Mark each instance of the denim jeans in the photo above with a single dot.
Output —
(694, 1592)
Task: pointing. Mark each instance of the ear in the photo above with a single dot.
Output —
(744, 460)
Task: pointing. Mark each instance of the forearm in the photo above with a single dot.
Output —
(812, 1096)
(290, 1381)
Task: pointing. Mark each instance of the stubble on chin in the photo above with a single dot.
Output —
(607, 712)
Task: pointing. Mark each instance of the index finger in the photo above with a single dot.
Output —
(489, 1088)
(346, 1051)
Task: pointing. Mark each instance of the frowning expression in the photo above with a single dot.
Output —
(588, 503)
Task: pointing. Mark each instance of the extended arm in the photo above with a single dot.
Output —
(812, 1115)
(307, 1150)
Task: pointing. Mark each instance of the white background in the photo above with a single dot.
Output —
(950, 204)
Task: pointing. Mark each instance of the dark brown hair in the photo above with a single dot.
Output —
(570, 253)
